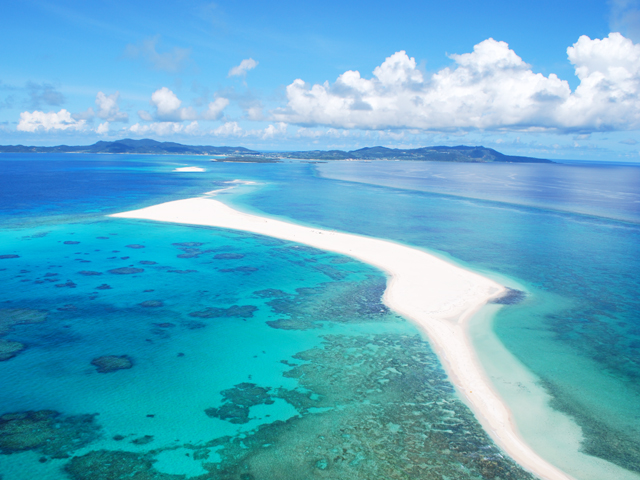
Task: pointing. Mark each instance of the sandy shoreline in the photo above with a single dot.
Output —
(436, 295)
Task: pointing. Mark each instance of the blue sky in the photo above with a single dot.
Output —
(332, 74)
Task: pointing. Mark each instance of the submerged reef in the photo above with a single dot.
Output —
(115, 465)
(16, 316)
(374, 406)
(241, 311)
(19, 316)
(47, 432)
(342, 302)
(510, 297)
(9, 349)
(238, 401)
(112, 363)
(228, 256)
(126, 270)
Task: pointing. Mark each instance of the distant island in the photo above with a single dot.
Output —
(459, 153)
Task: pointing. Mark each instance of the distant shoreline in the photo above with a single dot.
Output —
(437, 296)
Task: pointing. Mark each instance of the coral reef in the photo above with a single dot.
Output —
(111, 363)
(9, 349)
(126, 270)
(47, 432)
(242, 311)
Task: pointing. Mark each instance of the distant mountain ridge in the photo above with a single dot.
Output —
(128, 145)
(459, 153)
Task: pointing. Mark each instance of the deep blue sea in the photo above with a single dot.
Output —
(151, 351)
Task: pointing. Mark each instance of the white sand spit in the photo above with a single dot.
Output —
(189, 169)
(438, 296)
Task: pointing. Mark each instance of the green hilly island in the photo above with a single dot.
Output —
(461, 153)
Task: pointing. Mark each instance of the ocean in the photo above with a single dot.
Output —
(154, 351)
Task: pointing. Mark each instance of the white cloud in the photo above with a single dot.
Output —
(214, 111)
(272, 131)
(108, 108)
(41, 121)
(103, 128)
(229, 129)
(242, 69)
(171, 61)
(167, 106)
(491, 88)
(163, 128)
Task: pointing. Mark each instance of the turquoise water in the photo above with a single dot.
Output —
(139, 350)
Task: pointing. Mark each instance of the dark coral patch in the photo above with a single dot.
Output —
(147, 262)
(134, 245)
(293, 324)
(16, 316)
(46, 431)
(510, 297)
(238, 401)
(228, 256)
(126, 270)
(68, 283)
(104, 286)
(9, 349)
(245, 270)
(89, 273)
(112, 465)
(112, 363)
(270, 293)
(242, 311)
(7, 256)
(143, 440)
(188, 244)
(151, 303)
(71, 242)
(102, 238)
(182, 271)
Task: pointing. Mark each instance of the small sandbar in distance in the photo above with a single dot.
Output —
(189, 169)
(436, 295)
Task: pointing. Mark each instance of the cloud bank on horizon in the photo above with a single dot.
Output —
(490, 89)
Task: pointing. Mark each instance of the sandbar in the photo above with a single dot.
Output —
(437, 296)
(189, 169)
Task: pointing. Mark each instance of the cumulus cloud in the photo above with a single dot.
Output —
(273, 131)
(168, 108)
(491, 88)
(215, 108)
(41, 121)
(41, 94)
(229, 129)
(242, 69)
(108, 108)
(171, 61)
(103, 128)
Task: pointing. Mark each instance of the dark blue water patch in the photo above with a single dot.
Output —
(46, 185)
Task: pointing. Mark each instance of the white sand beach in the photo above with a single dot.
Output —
(438, 296)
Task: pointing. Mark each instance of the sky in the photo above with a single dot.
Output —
(553, 79)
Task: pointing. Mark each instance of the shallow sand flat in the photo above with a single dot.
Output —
(438, 296)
